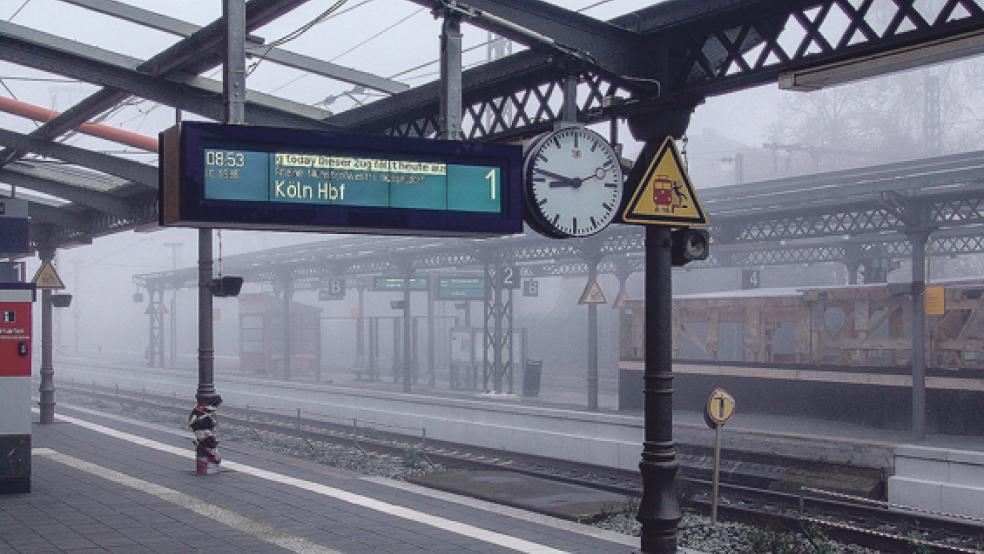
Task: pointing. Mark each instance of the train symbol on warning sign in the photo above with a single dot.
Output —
(667, 194)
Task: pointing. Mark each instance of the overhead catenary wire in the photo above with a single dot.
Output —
(324, 16)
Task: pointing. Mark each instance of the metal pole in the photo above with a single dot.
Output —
(234, 68)
(450, 106)
(568, 110)
(592, 341)
(288, 296)
(47, 388)
(234, 98)
(717, 474)
(659, 509)
(432, 369)
(497, 339)
(206, 352)
(76, 311)
(918, 240)
(407, 367)
(174, 246)
(360, 322)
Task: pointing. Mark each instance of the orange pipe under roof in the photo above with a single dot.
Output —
(113, 134)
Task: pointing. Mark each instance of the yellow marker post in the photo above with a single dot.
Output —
(935, 300)
(719, 409)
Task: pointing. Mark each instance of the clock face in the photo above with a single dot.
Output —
(573, 183)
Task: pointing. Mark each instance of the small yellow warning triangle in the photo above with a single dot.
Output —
(620, 300)
(47, 277)
(664, 194)
(592, 294)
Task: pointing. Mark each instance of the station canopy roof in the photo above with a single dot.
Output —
(311, 59)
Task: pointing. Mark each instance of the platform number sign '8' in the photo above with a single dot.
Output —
(332, 289)
(510, 277)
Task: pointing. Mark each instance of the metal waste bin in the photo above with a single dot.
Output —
(531, 377)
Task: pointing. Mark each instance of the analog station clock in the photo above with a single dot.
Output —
(573, 183)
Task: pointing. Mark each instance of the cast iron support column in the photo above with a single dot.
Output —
(592, 261)
(407, 338)
(288, 285)
(918, 240)
(659, 509)
(623, 270)
(159, 319)
(47, 388)
(431, 370)
(852, 271)
(173, 318)
(151, 335)
(360, 322)
(497, 340)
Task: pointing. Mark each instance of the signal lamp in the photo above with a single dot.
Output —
(61, 300)
(226, 286)
(690, 245)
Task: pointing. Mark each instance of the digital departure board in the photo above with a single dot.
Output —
(216, 175)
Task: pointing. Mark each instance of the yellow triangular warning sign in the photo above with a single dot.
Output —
(47, 277)
(664, 194)
(620, 300)
(592, 294)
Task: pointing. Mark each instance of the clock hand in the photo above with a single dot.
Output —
(598, 173)
(551, 174)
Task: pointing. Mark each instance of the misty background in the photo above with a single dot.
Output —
(755, 135)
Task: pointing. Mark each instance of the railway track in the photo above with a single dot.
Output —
(849, 520)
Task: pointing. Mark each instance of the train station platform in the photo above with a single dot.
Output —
(100, 484)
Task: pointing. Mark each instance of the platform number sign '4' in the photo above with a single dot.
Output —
(750, 279)
(510, 277)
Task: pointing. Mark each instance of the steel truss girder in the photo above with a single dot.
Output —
(49, 180)
(134, 172)
(277, 55)
(711, 48)
(188, 92)
(753, 42)
(611, 47)
(195, 54)
(944, 210)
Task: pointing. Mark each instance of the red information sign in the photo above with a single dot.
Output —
(15, 339)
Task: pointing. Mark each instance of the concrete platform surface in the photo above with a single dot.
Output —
(103, 485)
(561, 500)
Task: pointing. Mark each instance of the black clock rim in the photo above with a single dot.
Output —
(536, 220)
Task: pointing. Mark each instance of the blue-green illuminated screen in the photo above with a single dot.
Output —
(350, 180)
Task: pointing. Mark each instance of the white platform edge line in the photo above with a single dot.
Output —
(464, 529)
(226, 517)
(509, 511)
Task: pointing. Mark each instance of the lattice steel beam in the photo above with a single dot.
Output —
(32, 48)
(712, 47)
(135, 172)
(174, 26)
(49, 181)
(545, 26)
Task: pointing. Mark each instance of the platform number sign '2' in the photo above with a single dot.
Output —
(510, 277)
